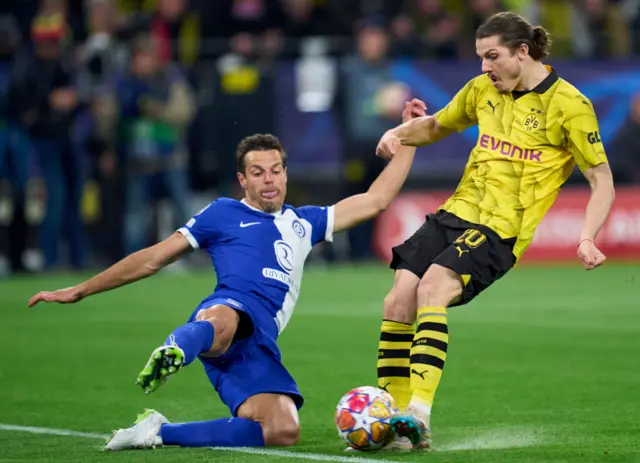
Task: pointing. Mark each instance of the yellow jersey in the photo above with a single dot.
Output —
(528, 144)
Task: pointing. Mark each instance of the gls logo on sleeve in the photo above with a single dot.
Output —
(594, 137)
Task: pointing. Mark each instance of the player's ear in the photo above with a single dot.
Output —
(522, 51)
(242, 179)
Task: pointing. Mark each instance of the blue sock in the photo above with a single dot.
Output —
(224, 432)
(193, 338)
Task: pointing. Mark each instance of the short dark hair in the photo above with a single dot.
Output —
(258, 142)
(514, 30)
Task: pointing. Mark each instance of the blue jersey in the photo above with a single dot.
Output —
(258, 256)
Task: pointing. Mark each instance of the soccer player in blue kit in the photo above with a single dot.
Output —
(258, 247)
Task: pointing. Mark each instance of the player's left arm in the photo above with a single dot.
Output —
(587, 149)
(356, 209)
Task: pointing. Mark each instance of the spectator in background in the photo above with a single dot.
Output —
(473, 17)
(14, 140)
(437, 28)
(371, 99)
(303, 18)
(625, 149)
(69, 11)
(101, 57)
(246, 82)
(46, 105)
(22, 11)
(406, 42)
(101, 53)
(600, 30)
(146, 119)
(261, 19)
(175, 28)
(127, 7)
(251, 16)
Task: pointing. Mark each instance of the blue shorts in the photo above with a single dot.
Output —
(251, 366)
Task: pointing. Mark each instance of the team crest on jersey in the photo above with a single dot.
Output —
(531, 122)
(284, 255)
(298, 229)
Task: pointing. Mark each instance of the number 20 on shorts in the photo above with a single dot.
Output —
(472, 238)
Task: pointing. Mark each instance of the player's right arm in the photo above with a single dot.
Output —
(201, 231)
(136, 266)
(458, 115)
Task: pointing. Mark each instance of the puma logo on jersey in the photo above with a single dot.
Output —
(461, 251)
(243, 225)
(491, 105)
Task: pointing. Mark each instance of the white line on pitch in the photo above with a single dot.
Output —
(246, 450)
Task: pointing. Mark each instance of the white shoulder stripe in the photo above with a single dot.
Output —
(328, 236)
(187, 234)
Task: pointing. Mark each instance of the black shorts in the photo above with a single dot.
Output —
(475, 252)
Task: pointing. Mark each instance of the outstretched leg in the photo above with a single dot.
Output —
(263, 420)
(438, 288)
(250, 379)
(211, 333)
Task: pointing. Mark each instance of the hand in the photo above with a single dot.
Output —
(590, 255)
(413, 109)
(390, 143)
(62, 296)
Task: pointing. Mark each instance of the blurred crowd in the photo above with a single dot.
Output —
(108, 105)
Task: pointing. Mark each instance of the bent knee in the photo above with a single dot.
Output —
(283, 434)
(278, 416)
(225, 324)
(440, 286)
(398, 307)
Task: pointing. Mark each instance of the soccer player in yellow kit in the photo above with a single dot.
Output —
(534, 127)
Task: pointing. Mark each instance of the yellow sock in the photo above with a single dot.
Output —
(428, 354)
(393, 360)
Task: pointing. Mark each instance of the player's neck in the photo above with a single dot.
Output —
(255, 206)
(532, 77)
(252, 204)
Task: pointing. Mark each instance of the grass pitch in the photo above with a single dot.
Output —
(542, 367)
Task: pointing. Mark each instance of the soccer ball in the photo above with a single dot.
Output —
(362, 418)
